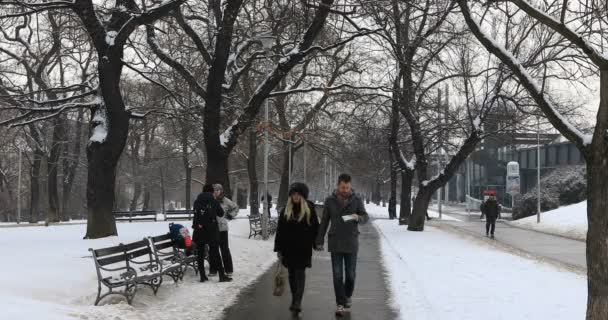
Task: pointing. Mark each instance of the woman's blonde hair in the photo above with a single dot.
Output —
(304, 210)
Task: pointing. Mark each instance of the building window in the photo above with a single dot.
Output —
(532, 158)
(552, 156)
(563, 154)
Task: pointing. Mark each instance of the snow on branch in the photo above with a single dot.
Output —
(556, 119)
(99, 133)
(410, 165)
(601, 60)
(332, 88)
(228, 134)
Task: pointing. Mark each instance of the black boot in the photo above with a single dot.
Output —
(224, 278)
(204, 277)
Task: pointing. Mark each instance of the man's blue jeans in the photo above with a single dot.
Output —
(344, 264)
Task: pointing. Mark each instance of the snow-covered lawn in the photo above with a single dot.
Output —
(568, 221)
(47, 273)
(380, 212)
(439, 275)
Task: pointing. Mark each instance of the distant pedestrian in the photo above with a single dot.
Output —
(491, 209)
(343, 211)
(231, 210)
(295, 239)
(206, 232)
(269, 197)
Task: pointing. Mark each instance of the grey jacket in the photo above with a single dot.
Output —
(343, 237)
(230, 209)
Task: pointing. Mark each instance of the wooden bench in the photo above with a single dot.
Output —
(129, 265)
(178, 215)
(147, 215)
(255, 225)
(169, 254)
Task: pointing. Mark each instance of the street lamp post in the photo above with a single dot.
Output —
(267, 44)
(538, 167)
(19, 191)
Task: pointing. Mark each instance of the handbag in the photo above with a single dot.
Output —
(279, 283)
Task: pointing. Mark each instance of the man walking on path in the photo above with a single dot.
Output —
(231, 210)
(491, 210)
(343, 211)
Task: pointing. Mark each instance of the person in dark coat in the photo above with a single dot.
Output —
(295, 239)
(269, 197)
(206, 232)
(342, 213)
(491, 209)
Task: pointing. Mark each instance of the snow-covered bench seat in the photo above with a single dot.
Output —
(147, 215)
(169, 254)
(121, 269)
(178, 215)
(255, 225)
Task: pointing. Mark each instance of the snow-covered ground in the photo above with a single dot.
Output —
(568, 221)
(379, 212)
(439, 275)
(47, 273)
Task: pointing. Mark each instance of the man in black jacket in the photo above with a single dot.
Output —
(206, 232)
(491, 209)
(342, 213)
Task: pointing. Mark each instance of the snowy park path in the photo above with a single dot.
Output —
(437, 274)
(567, 252)
(370, 301)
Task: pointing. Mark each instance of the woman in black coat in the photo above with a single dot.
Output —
(295, 239)
(206, 232)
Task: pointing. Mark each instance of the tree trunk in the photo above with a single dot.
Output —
(217, 169)
(284, 187)
(146, 203)
(53, 213)
(597, 239)
(392, 201)
(35, 186)
(136, 194)
(70, 166)
(252, 172)
(419, 212)
(597, 205)
(188, 187)
(406, 190)
(103, 156)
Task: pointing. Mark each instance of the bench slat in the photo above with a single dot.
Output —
(139, 253)
(111, 260)
(161, 238)
(137, 245)
(108, 251)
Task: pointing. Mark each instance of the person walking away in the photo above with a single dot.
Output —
(297, 230)
(491, 210)
(269, 197)
(231, 210)
(206, 232)
(343, 211)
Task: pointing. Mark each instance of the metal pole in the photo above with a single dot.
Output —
(19, 192)
(468, 186)
(290, 155)
(162, 195)
(266, 153)
(538, 164)
(440, 193)
(304, 151)
(325, 173)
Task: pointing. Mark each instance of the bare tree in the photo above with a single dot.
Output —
(580, 29)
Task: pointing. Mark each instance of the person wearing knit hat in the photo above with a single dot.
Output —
(231, 210)
(295, 239)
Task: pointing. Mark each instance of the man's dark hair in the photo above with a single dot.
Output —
(208, 188)
(345, 177)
